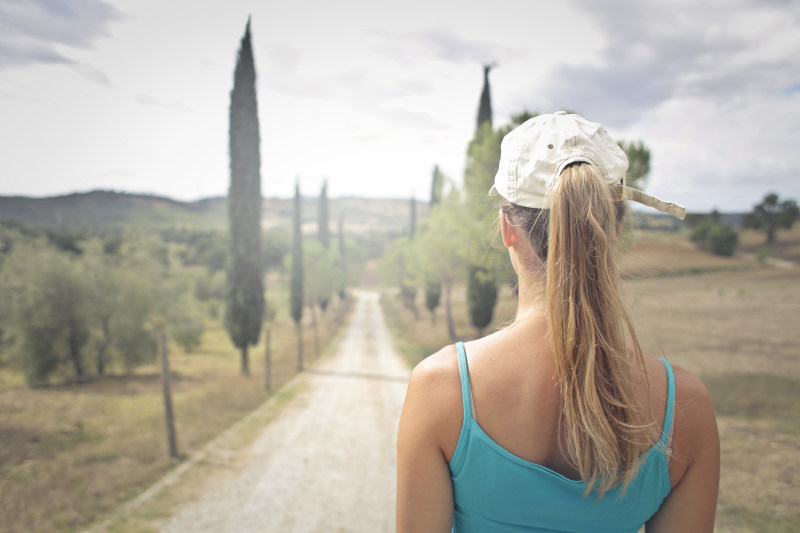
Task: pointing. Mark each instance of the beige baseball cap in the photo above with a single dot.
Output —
(533, 155)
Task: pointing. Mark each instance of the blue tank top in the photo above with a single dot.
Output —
(497, 491)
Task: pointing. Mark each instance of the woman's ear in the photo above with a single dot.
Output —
(508, 231)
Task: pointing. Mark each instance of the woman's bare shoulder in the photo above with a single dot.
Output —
(434, 397)
(436, 377)
(693, 407)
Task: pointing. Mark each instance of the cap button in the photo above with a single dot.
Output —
(560, 113)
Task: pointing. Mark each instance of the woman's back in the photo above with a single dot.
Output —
(517, 398)
(568, 411)
(516, 406)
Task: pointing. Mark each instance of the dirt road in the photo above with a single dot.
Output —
(326, 463)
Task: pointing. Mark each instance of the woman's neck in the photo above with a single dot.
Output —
(531, 300)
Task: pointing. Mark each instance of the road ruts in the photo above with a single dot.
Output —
(326, 463)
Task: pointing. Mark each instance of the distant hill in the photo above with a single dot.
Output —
(100, 211)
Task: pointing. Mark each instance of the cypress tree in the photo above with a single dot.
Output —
(324, 237)
(342, 258)
(324, 231)
(483, 158)
(296, 282)
(481, 297)
(412, 227)
(433, 289)
(245, 303)
(437, 184)
(485, 108)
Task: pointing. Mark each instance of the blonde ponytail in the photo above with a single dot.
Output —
(590, 331)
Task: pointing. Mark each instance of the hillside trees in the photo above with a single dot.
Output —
(65, 314)
(245, 304)
(771, 215)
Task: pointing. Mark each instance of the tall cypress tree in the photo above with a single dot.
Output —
(322, 219)
(485, 108)
(412, 225)
(324, 239)
(245, 306)
(483, 158)
(437, 184)
(342, 258)
(433, 287)
(296, 281)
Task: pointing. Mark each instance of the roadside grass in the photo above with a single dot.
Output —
(731, 322)
(71, 454)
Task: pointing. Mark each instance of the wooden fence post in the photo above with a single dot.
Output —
(267, 359)
(165, 387)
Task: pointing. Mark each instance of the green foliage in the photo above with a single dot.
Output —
(322, 219)
(638, 163)
(715, 237)
(398, 265)
(437, 186)
(481, 297)
(320, 271)
(186, 328)
(485, 107)
(274, 247)
(296, 281)
(206, 248)
(433, 296)
(47, 311)
(772, 215)
(342, 281)
(483, 158)
(412, 223)
(245, 303)
(64, 314)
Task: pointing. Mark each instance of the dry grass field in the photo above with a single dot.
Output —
(71, 454)
(733, 323)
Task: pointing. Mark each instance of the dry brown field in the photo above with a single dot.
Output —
(732, 322)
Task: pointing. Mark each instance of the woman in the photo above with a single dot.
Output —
(560, 421)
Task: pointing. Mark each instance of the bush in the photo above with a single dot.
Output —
(715, 237)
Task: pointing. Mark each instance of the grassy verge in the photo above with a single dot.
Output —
(730, 322)
(71, 454)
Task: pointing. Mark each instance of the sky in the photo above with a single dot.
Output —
(133, 95)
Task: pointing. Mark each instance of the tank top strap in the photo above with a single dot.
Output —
(669, 415)
(463, 371)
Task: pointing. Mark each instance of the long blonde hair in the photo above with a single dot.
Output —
(593, 341)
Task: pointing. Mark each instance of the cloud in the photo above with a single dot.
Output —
(32, 30)
(658, 51)
(406, 47)
(411, 119)
(149, 100)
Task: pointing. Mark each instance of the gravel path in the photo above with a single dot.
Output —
(327, 462)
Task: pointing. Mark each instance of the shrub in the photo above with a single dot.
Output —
(715, 237)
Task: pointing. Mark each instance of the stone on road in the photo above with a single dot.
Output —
(326, 463)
